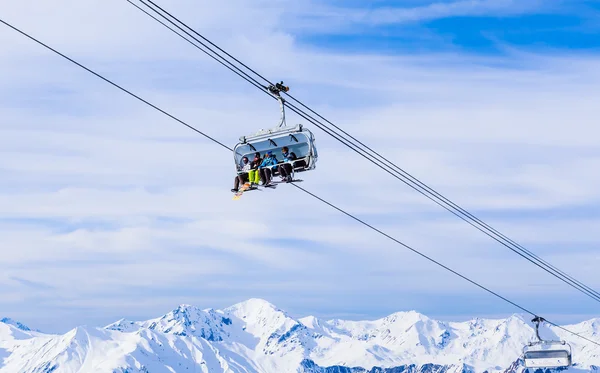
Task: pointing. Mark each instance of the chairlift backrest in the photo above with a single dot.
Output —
(300, 142)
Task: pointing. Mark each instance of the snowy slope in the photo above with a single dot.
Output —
(255, 336)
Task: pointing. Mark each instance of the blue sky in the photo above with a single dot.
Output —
(109, 209)
(539, 30)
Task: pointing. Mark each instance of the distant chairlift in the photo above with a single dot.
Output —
(546, 354)
(297, 138)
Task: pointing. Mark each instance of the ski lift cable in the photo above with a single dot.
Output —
(563, 277)
(214, 55)
(114, 84)
(202, 37)
(436, 262)
(455, 206)
(572, 332)
(300, 188)
(420, 187)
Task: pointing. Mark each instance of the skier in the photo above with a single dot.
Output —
(254, 173)
(242, 176)
(285, 169)
(265, 167)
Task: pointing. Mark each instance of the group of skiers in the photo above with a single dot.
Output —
(263, 168)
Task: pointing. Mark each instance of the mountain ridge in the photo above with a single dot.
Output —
(256, 336)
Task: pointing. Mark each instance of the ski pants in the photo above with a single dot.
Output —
(254, 176)
(285, 169)
(239, 179)
(265, 175)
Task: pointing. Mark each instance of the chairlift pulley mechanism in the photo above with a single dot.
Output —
(277, 88)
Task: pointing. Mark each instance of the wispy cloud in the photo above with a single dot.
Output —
(109, 204)
(436, 10)
(322, 17)
(31, 284)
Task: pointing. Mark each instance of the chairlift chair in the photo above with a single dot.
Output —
(546, 354)
(297, 139)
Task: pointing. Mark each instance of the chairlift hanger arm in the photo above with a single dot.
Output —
(537, 320)
(275, 91)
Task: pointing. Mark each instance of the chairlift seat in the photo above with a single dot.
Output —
(547, 354)
(298, 165)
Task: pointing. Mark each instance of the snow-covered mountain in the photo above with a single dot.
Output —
(256, 336)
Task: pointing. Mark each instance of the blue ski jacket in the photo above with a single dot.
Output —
(268, 161)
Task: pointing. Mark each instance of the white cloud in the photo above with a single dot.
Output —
(100, 192)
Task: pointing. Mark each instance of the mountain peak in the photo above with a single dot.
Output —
(410, 316)
(123, 325)
(185, 307)
(16, 324)
(254, 304)
(255, 310)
